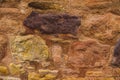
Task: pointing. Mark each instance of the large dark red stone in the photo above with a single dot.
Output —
(53, 23)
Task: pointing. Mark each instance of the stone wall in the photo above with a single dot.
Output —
(68, 40)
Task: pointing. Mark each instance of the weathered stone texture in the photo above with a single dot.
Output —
(56, 51)
(42, 45)
(87, 53)
(29, 48)
(116, 55)
(53, 23)
(3, 70)
(10, 26)
(44, 5)
(105, 27)
(3, 46)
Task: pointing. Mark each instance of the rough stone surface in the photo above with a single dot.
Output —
(116, 55)
(56, 51)
(9, 3)
(94, 73)
(3, 70)
(86, 56)
(44, 5)
(88, 53)
(3, 46)
(36, 76)
(99, 4)
(44, 72)
(53, 23)
(10, 26)
(73, 78)
(15, 69)
(33, 76)
(105, 27)
(24, 76)
(8, 78)
(29, 48)
(9, 10)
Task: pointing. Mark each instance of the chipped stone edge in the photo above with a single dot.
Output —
(9, 78)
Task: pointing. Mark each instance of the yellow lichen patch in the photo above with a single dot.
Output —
(48, 71)
(94, 73)
(74, 78)
(50, 77)
(14, 69)
(109, 78)
(49, 74)
(3, 70)
(33, 76)
(29, 47)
